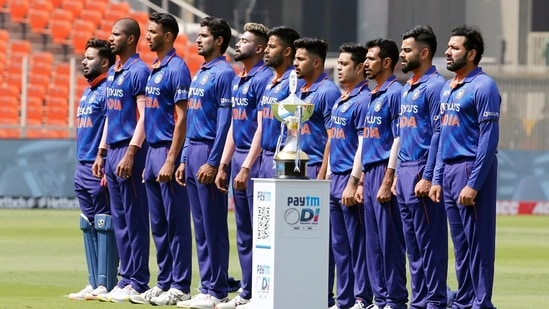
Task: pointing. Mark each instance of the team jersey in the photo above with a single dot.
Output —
(469, 127)
(90, 119)
(168, 84)
(380, 124)
(420, 121)
(276, 90)
(124, 84)
(346, 127)
(247, 92)
(323, 93)
(208, 109)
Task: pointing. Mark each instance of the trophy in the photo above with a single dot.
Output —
(291, 162)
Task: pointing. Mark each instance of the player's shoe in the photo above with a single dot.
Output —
(209, 303)
(100, 290)
(145, 297)
(105, 297)
(188, 303)
(170, 298)
(81, 294)
(123, 295)
(233, 303)
(372, 306)
(359, 304)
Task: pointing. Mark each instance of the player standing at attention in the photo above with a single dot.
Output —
(279, 55)
(309, 61)
(95, 219)
(469, 133)
(209, 118)
(348, 239)
(165, 128)
(385, 246)
(125, 137)
(239, 152)
(424, 221)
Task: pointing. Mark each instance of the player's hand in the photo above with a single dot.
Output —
(98, 166)
(422, 188)
(348, 197)
(435, 193)
(384, 193)
(467, 196)
(103, 181)
(240, 181)
(394, 186)
(206, 174)
(166, 172)
(180, 174)
(124, 168)
(359, 194)
(221, 181)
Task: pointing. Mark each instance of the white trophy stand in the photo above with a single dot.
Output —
(290, 244)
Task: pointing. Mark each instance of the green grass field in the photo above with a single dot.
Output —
(42, 259)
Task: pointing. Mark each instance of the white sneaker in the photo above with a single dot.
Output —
(334, 307)
(208, 303)
(145, 297)
(100, 290)
(105, 296)
(123, 295)
(188, 303)
(170, 298)
(80, 295)
(233, 303)
(359, 304)
(246, 305)
(372, 306)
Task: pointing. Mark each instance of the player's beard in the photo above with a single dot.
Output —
(243, 55)
(458, 63)
(275, 61)
(410, 65)
(92, 73)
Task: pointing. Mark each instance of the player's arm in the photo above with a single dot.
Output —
(329, 101)
(99, 164)
(124, 168)
(179, 134)
(180, 172)
(221, 179)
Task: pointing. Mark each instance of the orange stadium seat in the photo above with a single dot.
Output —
(82, 31)
(193, 62)
(9, 111)
(141, 17)
(3, 62)
(62, 68)
(148, 57)
(74, 6)
(61, 25)
(36, 90)
(100, 5)
(20, 46)
(19, 10)
(39, 79)
(9, 92)
(4, 39)
(39, 19)
(92, 15)
(57, 115)
(41, 63)
(35, 111)
(102, 33)
(10, 133)
(58, 91)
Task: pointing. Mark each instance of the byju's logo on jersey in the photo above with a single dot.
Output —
(120, 80)
(245, 88)
(204, 79)
(415, 95)
(377, 106)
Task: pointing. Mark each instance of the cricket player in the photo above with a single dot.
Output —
(208, 121)
(95, 219)
(240, 156)
(165, 129)
(348, 230)
(124, 137)
(467, 174)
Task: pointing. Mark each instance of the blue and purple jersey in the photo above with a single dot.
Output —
(124, 84)
(346, 127)
(247, 92)
(168, 84)
(276, 91)
(420, 120)
(90, 119)
(380, 124)
(469, 127)
(209, 105)
(323, 93)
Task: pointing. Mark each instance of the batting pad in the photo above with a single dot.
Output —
(90, 247)
(107, 251)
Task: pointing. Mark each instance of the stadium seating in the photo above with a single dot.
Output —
(81, 32)
(18, 10)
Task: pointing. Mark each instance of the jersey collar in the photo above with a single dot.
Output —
(213, 62)
(156, 64)
(134, 58)
(96, 81)
(432, 70)
(316, 84)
